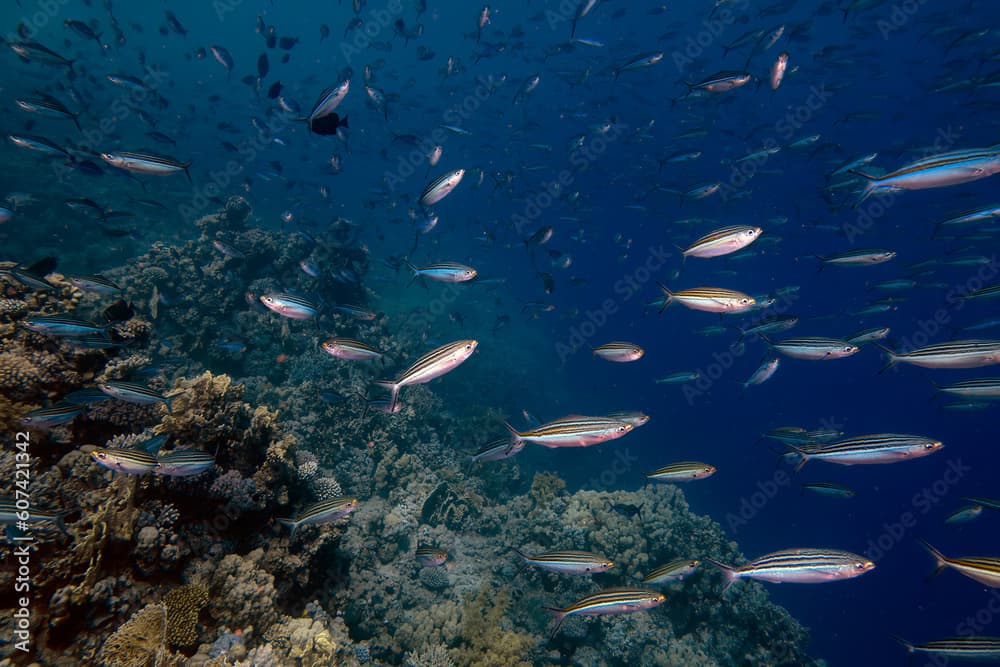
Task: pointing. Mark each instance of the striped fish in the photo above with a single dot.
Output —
(444, 272)
(61, 413)
(708, 299)
(9, 512)
(984, 569)
(978, 388)
(964, 514)
(867, 336)
(633, 417)
(86, 396)
(348, 348)
(978, 215)
(991, 292)
(937, 171)
(441, 187)
(128, 461)
(498, 450)
(289, 305)
(829, 489)
(572, 431)
(721, 82)
(798, 566)
(49, 107)
(860, 257)
(976, 649)
(609, 601)
(675, 570)
(184, 463)
(96, 284)
(812, 348)
(867, 449)
(684, 471)
(770, 324)
(146, 163)
(988, 503)
(357, 312)
(971, 353)
(325, 511)
(328, 101)
(619, 351)
(722, 241)
(431, 556)
(431, 366)
(568, 562)
(767, 368)
(62, 326)
(134, 393)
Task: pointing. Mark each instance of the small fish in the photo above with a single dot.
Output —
(445, 272)
(871, 449)
(223, 57)
(722, 241)
(675, 570)
(498, 450)
(812, 348)
(62, 326)
(619, 351)
(95, 283)
(829, 489)
(431, 366)
(568, 562)
(708, 299)
(440, 187)
(134, 393)
(867, 336)
(964, 514)
(679, 377)
(431, 556)
(974, 649)
(325, 511)
(128, 461)
(609, 601)
(778, 70)
(10, 514)
(228, 250)
(146, 163)
(290, 306)
(684, 471)
(572, 431)
(57, 415)
(971, 353)
(348, 348)
(767, 368)
(798, 566)
(184, 463)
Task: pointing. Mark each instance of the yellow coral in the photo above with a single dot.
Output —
(183, 605)
(140, 642)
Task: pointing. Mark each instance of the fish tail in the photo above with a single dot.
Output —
(907, 645)
(893, 358)
(284, 521)
(515, 435)
(187, 172)
(940, 560)
(670, 296)
(392, 386)
(803, 456)
(728, 572)
(520, 553)
(560, 617)
(343, 123)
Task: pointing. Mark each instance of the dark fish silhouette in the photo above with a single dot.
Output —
(328, 124)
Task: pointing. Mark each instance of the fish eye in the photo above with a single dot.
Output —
(751, 232)
(859, 566)
(847, 348)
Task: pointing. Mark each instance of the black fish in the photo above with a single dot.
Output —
(328, 124)
(119, 311)
(42, 267)
(324, 32)
(175, 24)
(286, 43)
(274, 90)
(285, 58)
(263, 67)
(627, 510)
(271, 38)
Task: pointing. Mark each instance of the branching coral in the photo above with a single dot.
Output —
(141, 641)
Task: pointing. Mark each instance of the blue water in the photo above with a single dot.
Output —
(881, 62)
